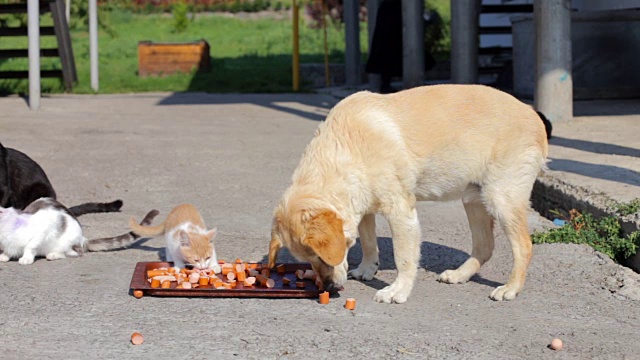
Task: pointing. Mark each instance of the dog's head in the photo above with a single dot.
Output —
(314, 235)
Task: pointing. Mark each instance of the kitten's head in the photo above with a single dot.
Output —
(197, 248)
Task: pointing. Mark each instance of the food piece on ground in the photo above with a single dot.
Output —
(556, 344)
(324, 298)
(136, 338)
(350, 304)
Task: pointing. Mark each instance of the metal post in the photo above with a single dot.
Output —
(93, 43)
(464, 41)
(352, 39)
(67, 10)
(554, 86)
(412, 43)
(33, 31)
(296, 48)
(375, 80)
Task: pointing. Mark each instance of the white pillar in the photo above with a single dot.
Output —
(554, 86)
(33, 31)
(412, 43)
(93, 43)
(67, 10)
(353, 70)
(464, 41)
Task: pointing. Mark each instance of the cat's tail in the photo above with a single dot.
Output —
(122, 241)
(144, 230)
(89, 208)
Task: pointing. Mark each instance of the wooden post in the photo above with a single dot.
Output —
(33, 31)
(554, 86)
(296, 48)
(63, 37)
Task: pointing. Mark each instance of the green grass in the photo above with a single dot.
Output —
(247, 55)
(604, 234)
(627, 208)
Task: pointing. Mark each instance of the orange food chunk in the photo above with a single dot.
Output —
(324, 298)
(136, 338)
(350, 304)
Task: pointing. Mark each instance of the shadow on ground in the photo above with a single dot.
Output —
(253, 74)
(310, 107)
(597, 171)
(434, 258)
(595, 147)
(606, 107)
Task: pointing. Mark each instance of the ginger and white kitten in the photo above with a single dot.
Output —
(44, 228)
(188, 240)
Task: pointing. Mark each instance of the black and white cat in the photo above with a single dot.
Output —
(22, 181)
(47, 228)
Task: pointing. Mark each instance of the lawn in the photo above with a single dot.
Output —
(248, 55)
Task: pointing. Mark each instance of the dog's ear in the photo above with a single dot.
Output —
(325, 235)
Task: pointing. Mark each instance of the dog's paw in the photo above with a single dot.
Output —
(453, 277)
(504, 292)
(364, 272)
(4, 258)
(391, 294)
(26, 260)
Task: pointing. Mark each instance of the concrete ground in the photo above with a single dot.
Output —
(232, 156)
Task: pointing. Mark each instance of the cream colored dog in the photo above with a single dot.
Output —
(381, 153)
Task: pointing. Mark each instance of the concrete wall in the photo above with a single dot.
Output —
(605, 51)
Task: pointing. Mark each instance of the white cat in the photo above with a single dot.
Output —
(44, 228)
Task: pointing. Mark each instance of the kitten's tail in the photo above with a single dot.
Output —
(144, 230)
(88, 208)
(117, 242)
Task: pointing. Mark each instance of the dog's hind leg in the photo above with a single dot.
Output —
(508, 202)
(369, 242)
(481, 224)
(405, 229)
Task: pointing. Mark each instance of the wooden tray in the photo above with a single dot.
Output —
(139, 282)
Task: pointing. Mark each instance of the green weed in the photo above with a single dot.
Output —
(604, 235)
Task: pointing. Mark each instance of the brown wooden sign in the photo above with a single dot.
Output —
(170, 58)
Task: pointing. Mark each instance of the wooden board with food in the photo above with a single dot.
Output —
(236, 279)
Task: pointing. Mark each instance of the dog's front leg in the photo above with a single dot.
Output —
(405, 229)
(369, 242)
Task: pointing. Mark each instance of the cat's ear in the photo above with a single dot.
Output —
(211, 234)
(184, 238)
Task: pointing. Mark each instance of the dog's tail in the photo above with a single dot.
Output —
(547, 124)
(89, 208)
(118, 242)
